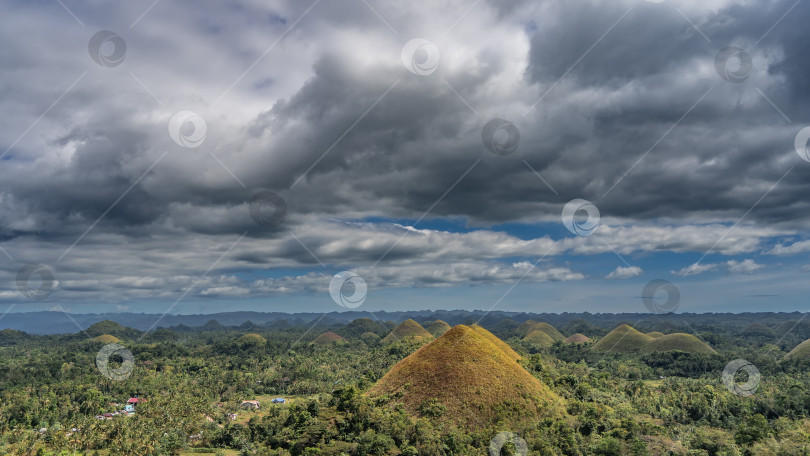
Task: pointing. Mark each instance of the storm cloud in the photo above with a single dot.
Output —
(383, 170)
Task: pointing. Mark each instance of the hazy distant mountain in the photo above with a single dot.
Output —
(61, 323)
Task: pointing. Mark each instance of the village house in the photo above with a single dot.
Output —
(252, 405)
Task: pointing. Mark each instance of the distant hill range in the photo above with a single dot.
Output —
(501, 323)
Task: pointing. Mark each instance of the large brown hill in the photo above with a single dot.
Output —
(469, 378)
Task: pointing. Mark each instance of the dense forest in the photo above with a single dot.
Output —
(670, 394)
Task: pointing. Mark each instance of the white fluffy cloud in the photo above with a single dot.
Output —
(745, 266)
(625, 273)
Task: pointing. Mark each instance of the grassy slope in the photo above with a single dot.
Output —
(538, 338)
(679, 342)
(106, 339)
(252, 338)
(438, 327)
(577, 339)
(800, 352)
(328, 338)
(407, 328)
(529, 326)
(624, 339)
(360, 326)
(474, 375)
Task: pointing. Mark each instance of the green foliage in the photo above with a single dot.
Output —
(615, 403)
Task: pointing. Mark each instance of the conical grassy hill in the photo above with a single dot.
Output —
(577, 339)
(407, 328)
(578, 325)
(528, 326)
(252, 339)
(624, 339)
(799, 353)
(467, 378)
(107, 327)
(328, 338)
(361, 326)
(106, 339)
(679, 342)
(538, 338)
(437, 328)
(758, 330)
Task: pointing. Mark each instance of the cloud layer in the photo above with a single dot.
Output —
(621, 103)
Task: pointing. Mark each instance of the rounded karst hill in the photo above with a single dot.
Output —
(538, 339)
(624, 339)
(665, 327)
(579, 325)
(212, 325)
(758, 330)
(437, 328)
(577, 339)
(106, 339)
(467, 378)
(111, 328)
(370, 338)
(358, 327)
(407, 328)
(525, 328)
(799, 353)
(327, 339)
(655, 334)
(679, 342)
(251, 339)
(529, 326)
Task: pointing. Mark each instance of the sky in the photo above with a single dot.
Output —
(297, 156)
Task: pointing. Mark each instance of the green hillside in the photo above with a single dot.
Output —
(327, 339)
(407, 328)
(359, 326)
(799, 353)
(678, 342)
(624, 339)
(529, 326)
(577, 339)
(437, 328)
(579, 325)
(538, 338)
(106, 339)
(111, 328)
(252, 339)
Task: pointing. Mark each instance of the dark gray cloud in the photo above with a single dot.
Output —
(636, 120)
